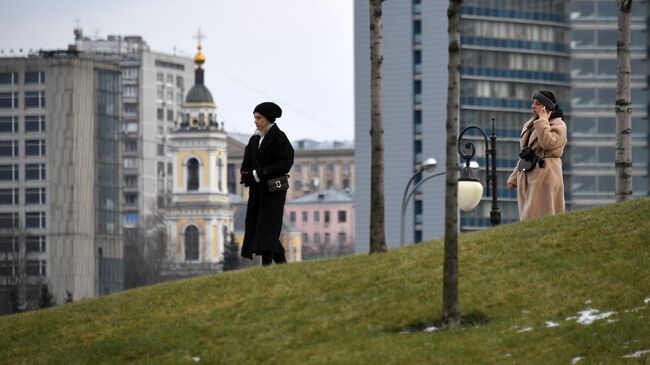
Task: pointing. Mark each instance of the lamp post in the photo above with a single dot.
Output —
(428, 165)
(470, 189)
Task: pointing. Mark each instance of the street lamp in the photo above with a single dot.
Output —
(428, 165)
(470, 189)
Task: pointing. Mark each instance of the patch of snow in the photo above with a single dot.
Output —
(612, 320)
(507, 355)
(589, 316)
(196, 359)
(551, 324)
(525, 329)
(588, 301)
(646, 300)
(431, 329)
(633, 310)
(525, 311)
(637, 354)
(577, 359)
(404, 332)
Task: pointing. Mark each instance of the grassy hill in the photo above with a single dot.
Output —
(523, 283)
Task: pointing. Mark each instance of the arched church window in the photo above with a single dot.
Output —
(191, 243)
(193, 174)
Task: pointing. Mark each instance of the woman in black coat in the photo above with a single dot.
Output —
(268, 155)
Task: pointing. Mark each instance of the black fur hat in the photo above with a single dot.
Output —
(269, 110)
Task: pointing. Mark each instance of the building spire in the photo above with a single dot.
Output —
(199, 59)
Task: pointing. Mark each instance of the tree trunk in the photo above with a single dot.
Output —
(623, 161)
(450, 307)
(377, 229)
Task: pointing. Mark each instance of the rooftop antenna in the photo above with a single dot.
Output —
(78, 33)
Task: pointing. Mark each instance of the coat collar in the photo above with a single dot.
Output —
(270, 135)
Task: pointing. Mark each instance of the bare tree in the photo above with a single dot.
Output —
(623, 161)
(450, 307)
(13, 278)
(145, 251)
(377, 226)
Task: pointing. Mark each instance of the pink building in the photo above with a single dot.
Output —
(325, 221)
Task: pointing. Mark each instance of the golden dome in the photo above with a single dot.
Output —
(199, 59)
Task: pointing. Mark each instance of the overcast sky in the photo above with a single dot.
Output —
(297, 53)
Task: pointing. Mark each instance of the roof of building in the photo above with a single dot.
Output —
(199, 94)
(310, 144)
(327, 196)
(242, 138)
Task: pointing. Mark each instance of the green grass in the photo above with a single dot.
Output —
(351, 310)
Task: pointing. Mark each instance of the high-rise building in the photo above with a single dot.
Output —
(593, 123)
(508, 50)
(154, 85)
(60, 157)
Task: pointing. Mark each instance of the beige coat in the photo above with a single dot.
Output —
(540, 192)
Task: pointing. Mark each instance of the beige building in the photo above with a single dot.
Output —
(317, 167)
(199, 215)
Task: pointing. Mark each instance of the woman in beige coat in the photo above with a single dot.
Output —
(540, 190)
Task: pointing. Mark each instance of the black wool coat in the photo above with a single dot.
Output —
(272, 159)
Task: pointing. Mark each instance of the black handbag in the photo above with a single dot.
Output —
(278, 184)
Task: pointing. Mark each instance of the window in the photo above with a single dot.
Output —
(130, 73)
(292, 217)
(305, 239)
(297, 186)
(317, 238)
(326, 238)
(191, 243)
(170, 115)
(35, 268)
(193, 174)
(35, 99)
(131, 198)
(160, 77)
(8, 244)
(346, 184)
(9, 100)
(35, 244)
(35, 147)
(131, 146)
(316, 216)
(9, 172)
(130, 219)
(35, 171)
(35, 77)
(130, 127)
(179, 82)
(170, 96)
(305, 217)
(170, 79)
(8, 196)
(326, 216)
(130, 109)
(35, 220)
(297, 169)
(160, 113)
(9, 148)
(130, 163)
(9, 220)
(35, 196)
(329, 167)
(131, 181)
(342, 216)
(342, 238)
(35, 123)
(130, 91)
(8, 125)
(8, 78)
(161, 149)
(314, 168)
